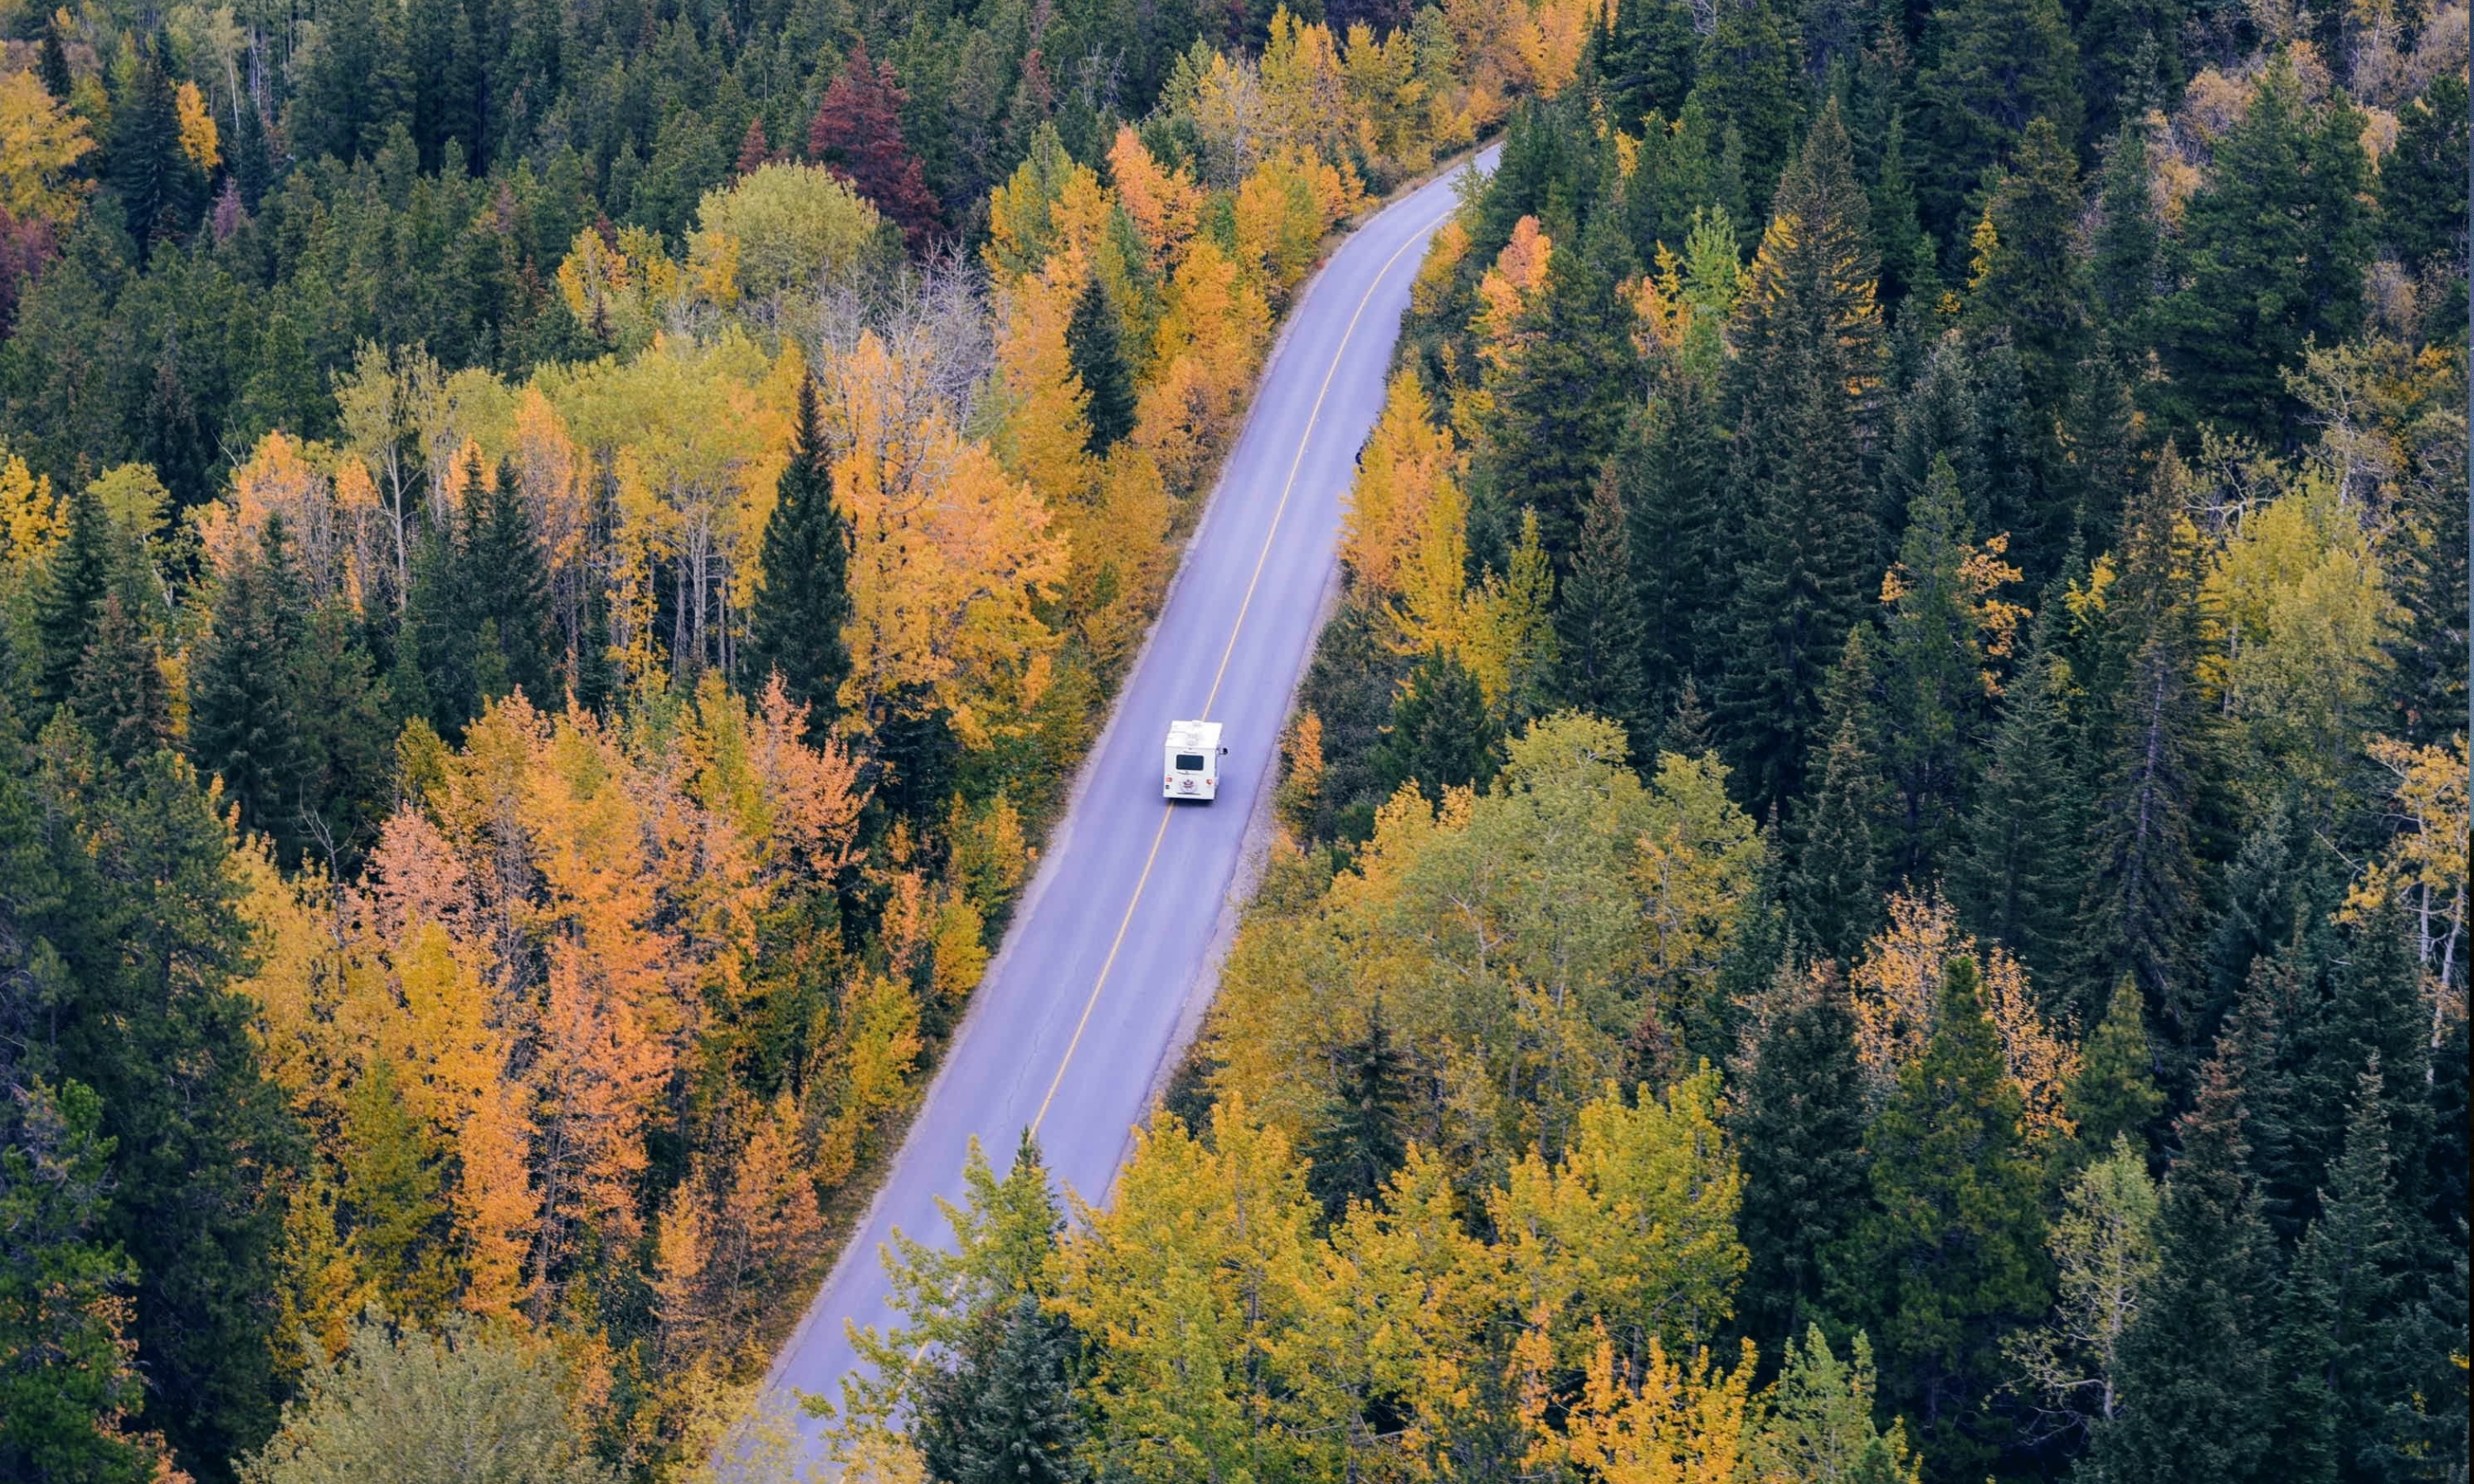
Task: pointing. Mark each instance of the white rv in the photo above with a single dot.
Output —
(1193, 761)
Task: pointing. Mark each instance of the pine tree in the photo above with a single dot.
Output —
(1952, 1253)
(1645, 63)
(2034, 283)
(77, 578)
(1599, 614)
(1008, 1414)
(504, 557)
(2114, 1093)
(1752, 81)
(1803, 386)
(158, 184)
(2015, 878)
(1994, 68)
(68, 1382)
(1442, 734)
(121, 699)
(2338, 1366)
(1833, 894)
(803, 600)
(1560, 406)
(1672, 465)
(1361, 1136)
(1801, 1134)
(857, 134)
(2421, 191)
(243, 722)
(1933, 679)
(2272, 250)
(1094, 345)
(2193, 1363)
(2123, 264)
(2140, 915)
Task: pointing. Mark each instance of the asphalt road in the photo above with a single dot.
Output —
(1075, 1019)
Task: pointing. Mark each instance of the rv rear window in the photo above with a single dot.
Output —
(1189, 762)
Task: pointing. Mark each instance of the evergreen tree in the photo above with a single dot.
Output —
(1934, 678)
(1991, 69)
(1361, 1136)
(1833, 894)
(65, 1383)
(121, 699)
(2338, 1366)
(2124, 263)
(1442, 734)
(1093, 345)
(1645, 60)
(2015, 878)
(510, 573)
(1952, 1253)
(345, 750)
(1673, 466)
(2032, 282)
(2114, 1093)
(804, 597)
(1752, 81)
(354, 90)
(2422, 194)
(1007, 1414)
(2272, 250)
(1599, 614)
(1803, 385)
(1560, 407)
(243, 722)
(68, 604)
(2195, 1368)
(1801, 1134)
(157, 182)
(2130, 57)
(52, 63)
(857, 134)
(2141, 912)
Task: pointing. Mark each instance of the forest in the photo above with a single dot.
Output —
(1870, 878)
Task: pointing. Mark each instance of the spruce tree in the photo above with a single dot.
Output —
(1599, 615)
(244, 727)
(857, 134)
(2193, 1363)
(52, 64)
(1993, 67)
(121, 699)
(76, 576)
(1362, 1134)
(1007, 1414)
(1933, 679)
(1801, 1137)
(2124, 263)
(1560, 408)
(2034, 283)
(503, 557)
(1645, 63)
(1804, 388)
(2337, 1365)
(345, 753)
(1673, 466)
(157, 182)
(1752, 81)
(2115, 1092)
(2016, 877)
(804, 597)
(1094, 345)
(1950, 1253)
(1833, 896)
(2272, 252)
(2141, 912)
(2421, 188)
(1442, 734)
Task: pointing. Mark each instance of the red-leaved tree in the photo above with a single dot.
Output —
(857, 136)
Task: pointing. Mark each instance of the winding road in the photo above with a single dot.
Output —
(1107, 955)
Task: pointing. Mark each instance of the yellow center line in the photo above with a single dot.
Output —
(1143, 879)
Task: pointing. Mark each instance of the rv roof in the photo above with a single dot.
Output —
(1194, 736)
